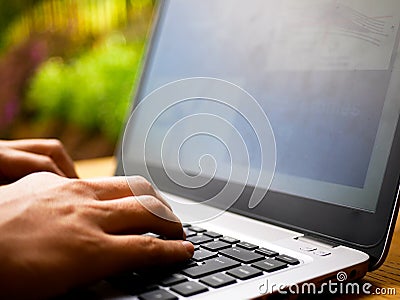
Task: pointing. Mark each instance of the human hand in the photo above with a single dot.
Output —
(58, 233)
(19, 158)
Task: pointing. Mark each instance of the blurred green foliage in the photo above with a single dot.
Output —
(9, 11)
(93, 91)
(68, 69)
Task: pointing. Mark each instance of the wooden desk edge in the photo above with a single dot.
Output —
(96, 167)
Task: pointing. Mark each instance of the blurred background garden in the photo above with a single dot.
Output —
(68, 69)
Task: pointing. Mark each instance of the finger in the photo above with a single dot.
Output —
(49, 147)
(109, 188)
(139, 214)
(123, 186)
(136, 252)
(16, 164)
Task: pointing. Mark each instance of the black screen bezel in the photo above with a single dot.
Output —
(349, 226)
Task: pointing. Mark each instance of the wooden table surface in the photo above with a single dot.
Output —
(385, 279)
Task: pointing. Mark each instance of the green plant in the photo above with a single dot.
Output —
(93, 91)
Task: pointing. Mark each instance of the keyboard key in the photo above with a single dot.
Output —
(199, 239)
(189, 233)
(157, 295)
(137, 289)
(211, 266)
(189, 263)
(247, 246)
(269, 265)
(216, 246)
(244, 272)
(217, 280)
(212, 234)
(186, 225)
(267, 252)
(230, 240)
(172, 279)
(203, 254)
(288, 259)
(174, 268)
(197, 229)
(189, 288)
(242, 255)
(133, 283)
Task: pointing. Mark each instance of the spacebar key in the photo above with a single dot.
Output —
(211, 266)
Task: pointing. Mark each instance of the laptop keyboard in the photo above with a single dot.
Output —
(218, 261)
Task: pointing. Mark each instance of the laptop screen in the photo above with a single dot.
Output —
(326, 74)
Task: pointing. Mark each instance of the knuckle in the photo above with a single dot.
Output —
(54, 145)
(152, 246)
(91, 211)
(156, 207)
(83, 188)
(144, 184)
(92, 240)
(154, 202)
(48, 163)
(69, 209)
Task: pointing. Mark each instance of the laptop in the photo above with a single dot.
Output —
(271, 127)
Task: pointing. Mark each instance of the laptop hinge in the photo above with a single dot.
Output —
(317, 239)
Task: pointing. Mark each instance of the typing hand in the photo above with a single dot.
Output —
(58, 233)
(22, 157)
